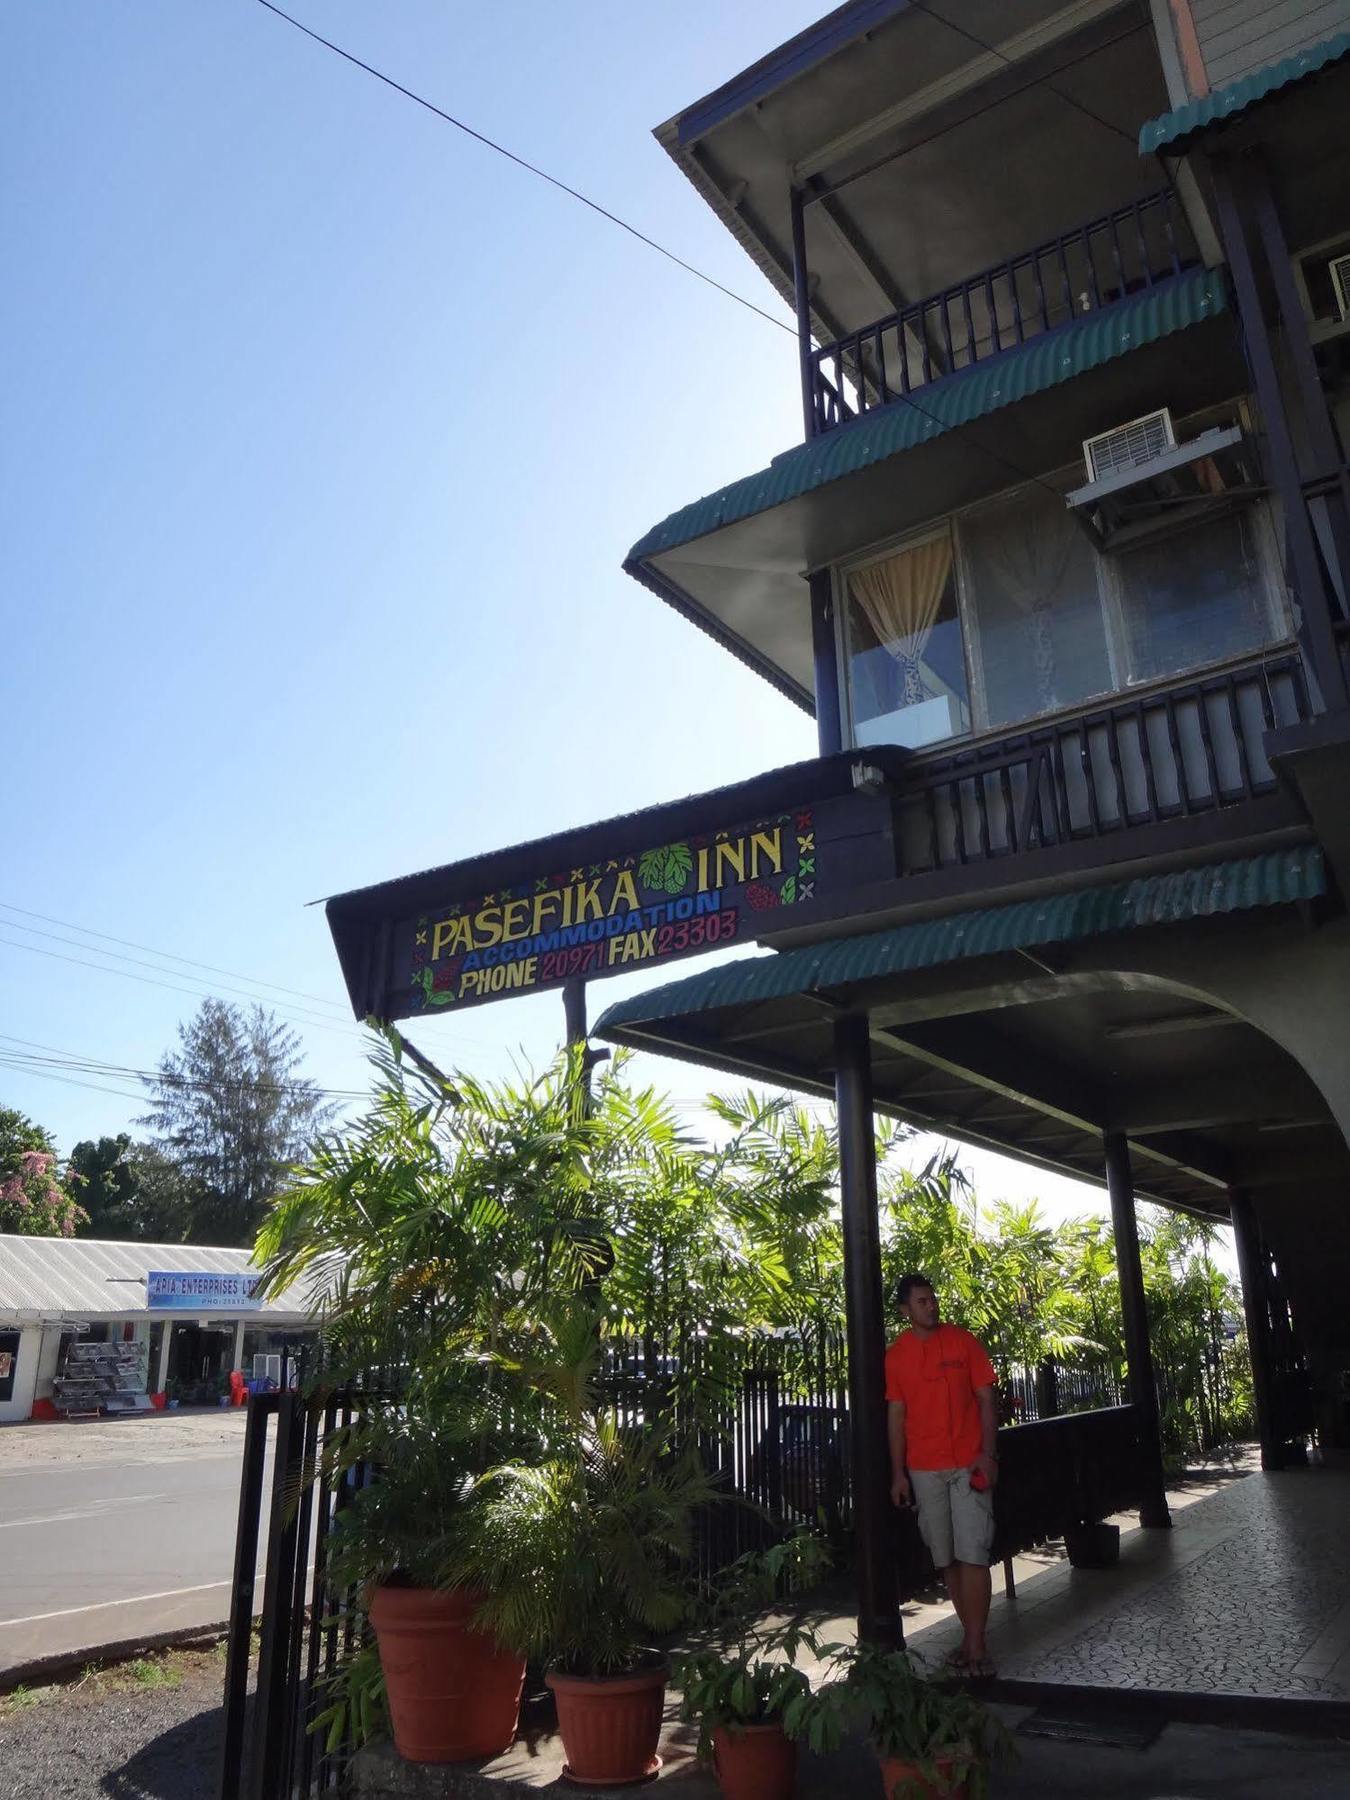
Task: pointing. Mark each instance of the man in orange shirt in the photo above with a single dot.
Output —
(942, 1423)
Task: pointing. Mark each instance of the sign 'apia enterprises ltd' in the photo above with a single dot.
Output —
(194, 1290)
(624, 913)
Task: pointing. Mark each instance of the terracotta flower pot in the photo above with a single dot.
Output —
(901, 1780)
(610, 1725)
(454, 1693)
(754, 1762)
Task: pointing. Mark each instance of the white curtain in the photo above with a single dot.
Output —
(901, 599)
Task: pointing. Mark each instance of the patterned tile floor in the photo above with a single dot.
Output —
(1249, 1593)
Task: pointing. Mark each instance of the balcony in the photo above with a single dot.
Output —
(1188, 751)
(1138, 246)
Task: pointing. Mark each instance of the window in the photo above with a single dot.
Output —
(1009, 613)
(1038, 628)
(907, 666)
(1194, 597)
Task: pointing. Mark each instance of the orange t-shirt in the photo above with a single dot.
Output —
(936, 1377)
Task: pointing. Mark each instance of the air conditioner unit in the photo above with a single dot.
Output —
(1339, 270)
(1129, 446)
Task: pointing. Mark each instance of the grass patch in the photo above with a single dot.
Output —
(21, 1699)
(155, 1672)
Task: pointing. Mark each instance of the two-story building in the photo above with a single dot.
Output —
(1061, 567)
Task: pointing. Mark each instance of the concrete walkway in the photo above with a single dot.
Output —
(1247, 1595)
(1186, 1762)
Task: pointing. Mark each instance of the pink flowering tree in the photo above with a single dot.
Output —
(33, 1202)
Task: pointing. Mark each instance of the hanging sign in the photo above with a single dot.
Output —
(216, 1292)
(626, 912)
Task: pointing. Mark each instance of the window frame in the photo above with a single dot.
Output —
(1256, 514)
(843, 600)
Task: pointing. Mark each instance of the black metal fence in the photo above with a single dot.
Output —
(270, 1751)
(773, 1426)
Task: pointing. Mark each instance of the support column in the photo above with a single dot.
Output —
(874, 1516)
(1134, 1315)
(574, 1011)
(825, 656)
(1251, 1259)
(165, 1342)
(801, 289)
(1314, 623)
(237, 1348)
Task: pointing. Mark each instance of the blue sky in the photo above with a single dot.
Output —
(327, 431)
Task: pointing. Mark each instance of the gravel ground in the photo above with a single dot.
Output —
(148, 1731)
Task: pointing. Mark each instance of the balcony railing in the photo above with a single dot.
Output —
(1120, 253)
(1168, 754)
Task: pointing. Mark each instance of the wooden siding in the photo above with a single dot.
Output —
(1239, 36)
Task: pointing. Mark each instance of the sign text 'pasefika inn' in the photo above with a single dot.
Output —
(628, 894)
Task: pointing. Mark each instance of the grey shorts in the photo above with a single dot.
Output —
(955, 1522)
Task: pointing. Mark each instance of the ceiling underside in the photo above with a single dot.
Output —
(1034, 1058)
(885, 134)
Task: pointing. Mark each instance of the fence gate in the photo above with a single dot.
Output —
(269, 1751)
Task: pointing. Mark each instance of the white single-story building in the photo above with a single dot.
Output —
(167, 1316)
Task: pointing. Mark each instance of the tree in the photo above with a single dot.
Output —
(231, 1110)
(33, 1203)
(131, 1191)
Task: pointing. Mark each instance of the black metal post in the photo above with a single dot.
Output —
(1314, 629)
(574, 1011)
(801, 290)
(275, 1675)
(825, 653)
(1143, 1389)
(874, 1517)
(260, 1409)
(1252, 1267)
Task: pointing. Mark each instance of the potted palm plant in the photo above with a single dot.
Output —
(584, 1558)
(430, 1230)
(741, 1679)
(932, 1740)
(453, 1691)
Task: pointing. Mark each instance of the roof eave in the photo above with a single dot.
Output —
(685, 604)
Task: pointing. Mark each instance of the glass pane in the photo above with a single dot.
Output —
(1192, 598)
(1033, 591)
(907, 663)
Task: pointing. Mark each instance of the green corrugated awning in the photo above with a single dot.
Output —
(1225, 103)
(948, 404)
(1274, 879)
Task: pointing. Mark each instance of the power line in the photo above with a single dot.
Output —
(907, 399)
(168, 955)
(196, 993)
(91, 1065)
(529, 167)
(140, 963)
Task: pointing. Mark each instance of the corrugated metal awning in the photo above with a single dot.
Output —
(43, 1278)
(1174, 129)
(1274, 879)
(948, 404)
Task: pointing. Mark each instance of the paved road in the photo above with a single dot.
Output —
(117, 1534)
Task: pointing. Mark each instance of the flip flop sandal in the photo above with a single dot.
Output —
(981, 1668)
(955, 1661)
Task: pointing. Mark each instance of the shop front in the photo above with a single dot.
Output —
(98, 1329)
